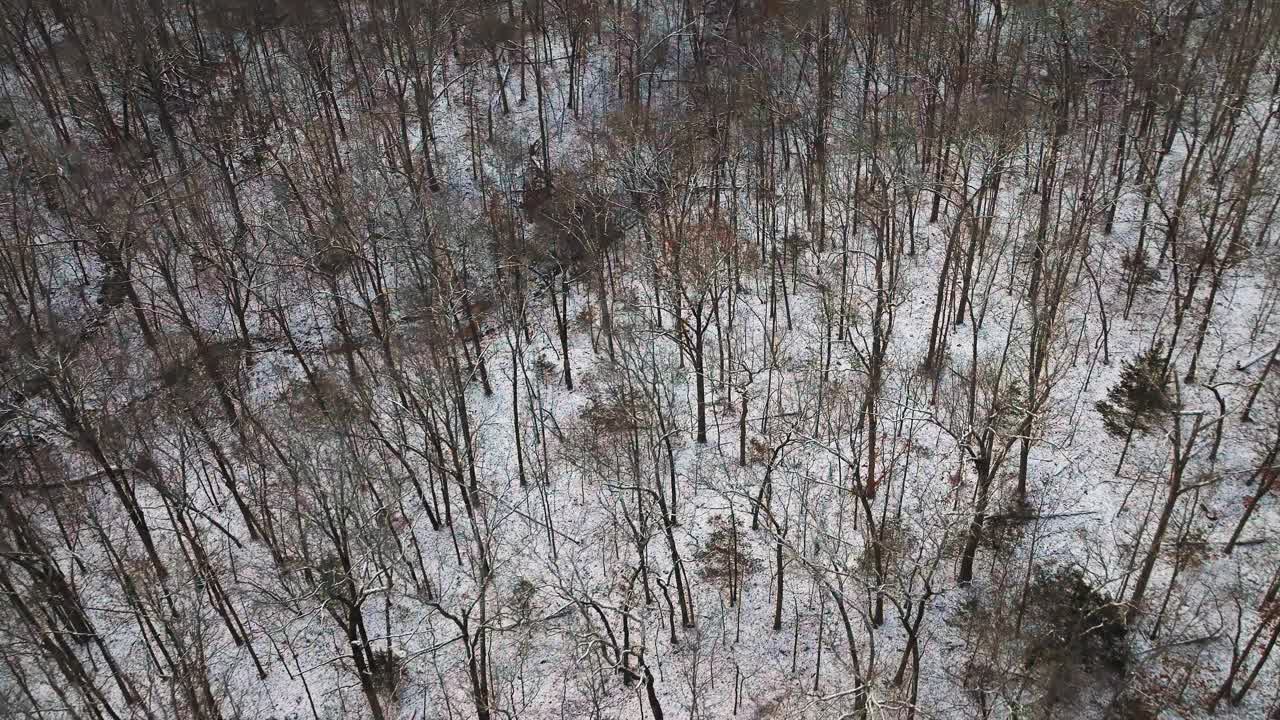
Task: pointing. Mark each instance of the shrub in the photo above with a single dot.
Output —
(727, 552)
(618, 411)
(1132, 706)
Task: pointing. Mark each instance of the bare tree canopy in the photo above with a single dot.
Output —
(697, 359)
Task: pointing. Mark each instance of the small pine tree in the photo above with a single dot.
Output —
(1074, 624)
(1138, 269)
(1141, 397)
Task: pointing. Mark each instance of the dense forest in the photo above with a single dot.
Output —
(417, 359)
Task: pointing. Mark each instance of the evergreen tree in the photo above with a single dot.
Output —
(1141, 398)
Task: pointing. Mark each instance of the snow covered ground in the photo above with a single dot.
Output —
(581, 538)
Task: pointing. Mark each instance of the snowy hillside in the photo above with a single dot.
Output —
(580, 359)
